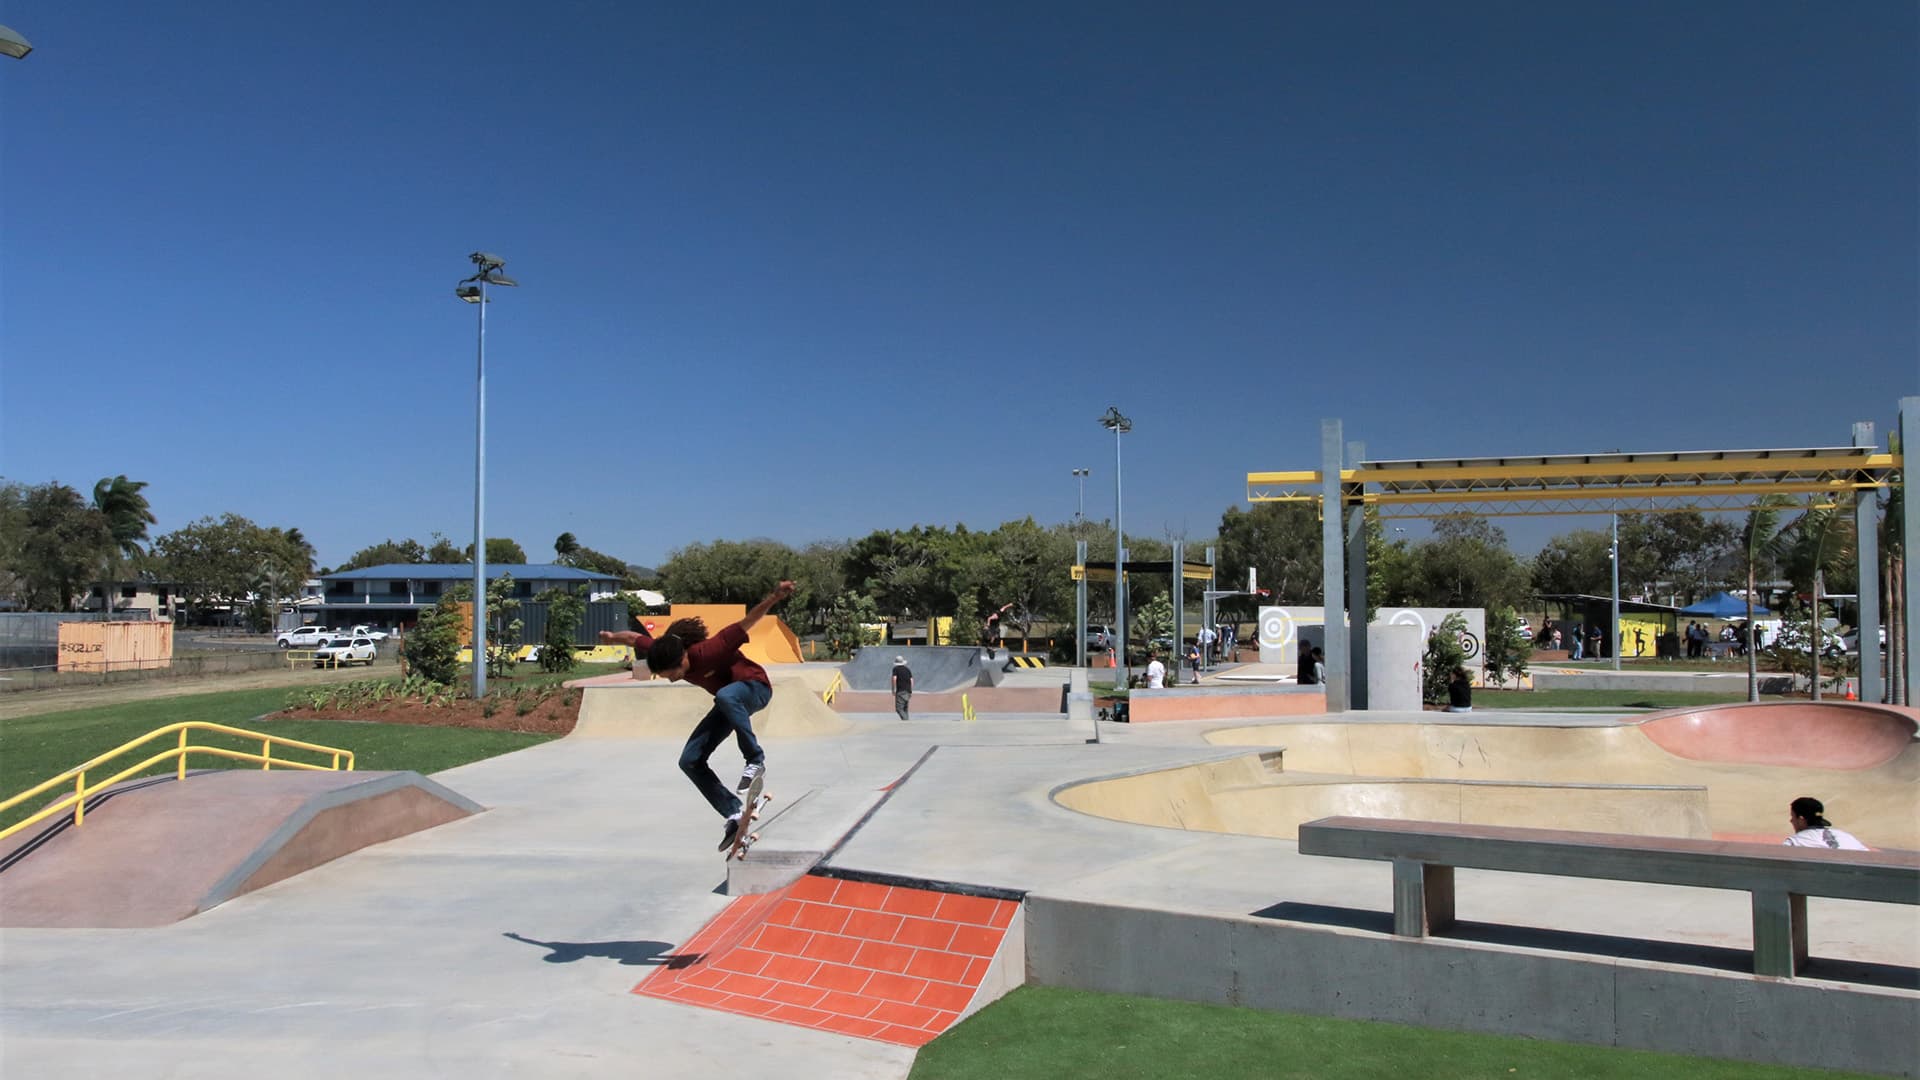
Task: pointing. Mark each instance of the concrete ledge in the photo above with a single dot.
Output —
(1468, 986)
(1224, 703)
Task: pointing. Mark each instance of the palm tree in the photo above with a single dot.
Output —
(1759, 538)
(128, 514)
(565, 546)
(1818, 546)
(118, 499)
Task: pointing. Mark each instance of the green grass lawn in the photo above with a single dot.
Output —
(1047, 1034)
(34, 748)
(1621, 699)
(1736, 666)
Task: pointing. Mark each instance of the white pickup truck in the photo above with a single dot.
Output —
(364, 630)
(303, 637)
(346, 650)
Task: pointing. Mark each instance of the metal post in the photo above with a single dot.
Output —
(1080, 605)
(1866, 526)
(1357, 584)
(1180, 610)
(479, 634)
(1119, 573)
(1333, 577)
(1909, 543)
(1613, 632)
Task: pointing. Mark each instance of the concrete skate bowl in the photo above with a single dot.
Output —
(157, 850)
(936, 668)
(622, 707)
(1598, 778)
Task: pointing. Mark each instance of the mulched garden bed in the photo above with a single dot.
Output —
(553, 715)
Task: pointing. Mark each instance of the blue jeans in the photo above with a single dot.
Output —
(733, 709)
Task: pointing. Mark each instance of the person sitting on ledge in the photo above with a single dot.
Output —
(1812, 830)
(1460, 691)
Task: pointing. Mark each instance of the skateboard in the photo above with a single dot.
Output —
(756, 800)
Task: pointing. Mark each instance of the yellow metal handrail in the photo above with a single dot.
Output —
(833, 688)
(82, 789)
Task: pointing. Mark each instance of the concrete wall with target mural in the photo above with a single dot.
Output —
(1283, 628)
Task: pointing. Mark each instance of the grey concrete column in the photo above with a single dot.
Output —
(1357, 584)
(1866, 523)
(1909, 526)
(1333, 576)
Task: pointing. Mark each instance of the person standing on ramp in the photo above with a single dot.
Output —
(739, 687)
(902, 686)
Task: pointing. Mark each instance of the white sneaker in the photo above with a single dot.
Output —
(748, 775)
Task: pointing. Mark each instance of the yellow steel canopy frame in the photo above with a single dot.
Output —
(1587, 484)
(82, 789)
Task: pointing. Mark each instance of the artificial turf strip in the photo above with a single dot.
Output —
(1046, 1033)
(1624, 699)
(34, 748)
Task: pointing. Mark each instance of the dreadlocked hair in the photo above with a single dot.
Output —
(670, 648)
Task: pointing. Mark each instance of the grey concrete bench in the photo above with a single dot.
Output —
(1424, 854)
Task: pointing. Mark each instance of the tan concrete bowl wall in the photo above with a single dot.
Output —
(1879, 802)
(1247, 795)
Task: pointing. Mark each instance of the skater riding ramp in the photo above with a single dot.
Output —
(936, 668)
(157, 850)
(622, 707)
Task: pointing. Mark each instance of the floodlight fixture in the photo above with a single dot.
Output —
(12, 44)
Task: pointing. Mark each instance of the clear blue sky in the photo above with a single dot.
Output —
(808, 270)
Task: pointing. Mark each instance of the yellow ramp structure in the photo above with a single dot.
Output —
(622, 707)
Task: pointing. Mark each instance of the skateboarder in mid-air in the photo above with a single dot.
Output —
(739, 687)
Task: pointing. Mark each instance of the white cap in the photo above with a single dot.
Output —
(899, 659)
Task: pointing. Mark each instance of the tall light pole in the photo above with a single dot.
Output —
(12, 44)
(1119, 425)
(1080, 508)
(474, 291)
(1613, 632)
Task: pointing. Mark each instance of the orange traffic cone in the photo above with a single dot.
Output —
(1850, 693)
(1110, 661)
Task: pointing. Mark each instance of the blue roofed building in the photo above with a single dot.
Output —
(394, 594)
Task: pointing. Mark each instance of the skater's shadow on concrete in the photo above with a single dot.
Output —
(628, 953)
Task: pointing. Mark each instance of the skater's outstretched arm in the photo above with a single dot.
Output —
(780, 592)
(625, 637)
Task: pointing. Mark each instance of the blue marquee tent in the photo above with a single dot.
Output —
(1723, 605)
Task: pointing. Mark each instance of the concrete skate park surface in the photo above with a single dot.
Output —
(936, 668)
(510, 942)
(1723, 772)
(158, 850)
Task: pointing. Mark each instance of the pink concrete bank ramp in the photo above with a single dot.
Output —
(157, 850)
(890, 962)
(1798, 734)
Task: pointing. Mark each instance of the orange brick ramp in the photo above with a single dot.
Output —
(888, 962)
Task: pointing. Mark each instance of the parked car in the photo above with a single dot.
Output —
(346, 650)
(364, 630)
(1852, 640)
(1099, 638)
(303, 637)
